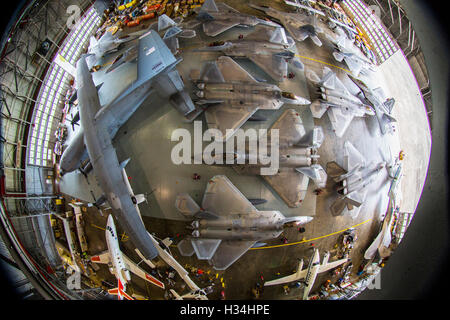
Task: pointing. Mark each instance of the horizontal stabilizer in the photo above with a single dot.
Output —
(172, 32)
(205, 248)
(313, 138)
(165, 22)
(186, 205)
(316, 173)
(338, 56)
(185, 247)
(389, 104)
(187, 34)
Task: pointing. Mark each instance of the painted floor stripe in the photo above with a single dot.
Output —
(309, 240)
(323, 62)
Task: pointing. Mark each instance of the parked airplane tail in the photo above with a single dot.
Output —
(313, 138)
(119, 292)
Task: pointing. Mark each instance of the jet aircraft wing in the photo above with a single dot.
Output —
(103, 258)
(232, 71)
(354, 65)
(215, 27)
(228, 252)
(352, 156)
(331, 265)
(134, 268)
(229, 117)
(290, 127)
(223, 198)
(290, 185)
(274, 35)
(275, 66)
(340, 119)
(293, 277)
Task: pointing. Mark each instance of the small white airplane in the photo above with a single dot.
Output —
(192, 295)
(120, 265)
(383, 239)
(353, 180)
(309, 274)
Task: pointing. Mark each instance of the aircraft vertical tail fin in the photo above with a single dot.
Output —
(153, 57)
(120, 292)
(209, 5)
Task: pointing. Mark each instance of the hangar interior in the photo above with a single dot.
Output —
(53, 223)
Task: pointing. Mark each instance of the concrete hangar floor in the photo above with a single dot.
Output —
(146, 140)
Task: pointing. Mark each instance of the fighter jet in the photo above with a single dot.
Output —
(106, 44)
(100, 124)
(220, 18)
(382, 106)
(300, 27)
(233, 95)
(342, 106)
(352, 180)
(346, 51)
(298, 159)
(227, 224)
(331, 21)
(120, 265)
(156, 73)
(310, 274)
(170, 30)
(268, 48)
(383, 239)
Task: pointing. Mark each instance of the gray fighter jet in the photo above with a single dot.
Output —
(156, 70)
(233, 95)
(298, 159)
(352, 180)
(382, 106)
(332, 22)
(299, 26)
(342, 106)
(346, 51)
(268, 48)
(219, 18)
(107, 44)
(227, 224)
(170, 30)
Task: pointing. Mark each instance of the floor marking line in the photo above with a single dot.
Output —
(323, 62)
(308, 240)
(97, 227)
(297, 55)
